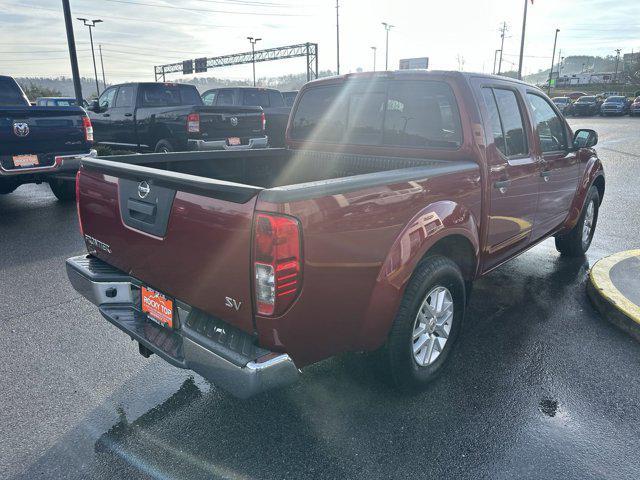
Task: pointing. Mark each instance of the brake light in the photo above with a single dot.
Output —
(263, 119)
(88, 129)
(78, 202)
(277, 262)
(193, 123)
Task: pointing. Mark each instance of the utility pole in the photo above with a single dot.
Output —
(338, 36)
(104, 81)
(253, 42)
(387, 27)
(524, 28)
(71, 41)
(503, 30)
(615, 75)
(91, 24)
(553, 57)
(374, 57)
(495, 60)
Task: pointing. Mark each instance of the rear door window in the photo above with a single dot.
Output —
(209, 98)
(494, 120)
(550, 127)
(160, 95)
(509, 136)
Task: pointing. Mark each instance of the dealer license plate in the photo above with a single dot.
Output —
(25, 160)
(157, 306)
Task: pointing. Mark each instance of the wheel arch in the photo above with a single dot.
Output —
(593, 175)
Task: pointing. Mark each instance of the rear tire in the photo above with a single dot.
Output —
(64, 190)
(427, 324)
(577, 241)
(164, 146)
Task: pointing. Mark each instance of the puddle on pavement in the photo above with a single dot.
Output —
(548, 406)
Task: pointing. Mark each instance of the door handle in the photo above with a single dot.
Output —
(106, 115)
(128, 114)
(545, 175)
(502, 185)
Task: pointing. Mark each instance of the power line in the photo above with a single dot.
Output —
(201, 10)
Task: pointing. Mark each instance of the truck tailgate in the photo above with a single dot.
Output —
(224, 122)
(187, 237)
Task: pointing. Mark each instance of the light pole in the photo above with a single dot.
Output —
(374, 57)
(524, 28)
(553, 57)
(387, 27)
(338, 37)
(71, 42)
(91, 24)
(253, 42)
(615, 75)
(503, 31)
(495, 59)
(104, 81)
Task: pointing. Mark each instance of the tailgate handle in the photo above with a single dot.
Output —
(144, 208)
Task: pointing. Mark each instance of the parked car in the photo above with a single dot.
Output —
(58, 102)
(615, 105)
(271, 101)
(576, 95)
(397, 190)
(564, 104)
(634, 108)
(40, 144)
(290, 97)
(168, 117)
(587, 105)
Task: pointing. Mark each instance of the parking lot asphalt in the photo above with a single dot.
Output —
(539, 386)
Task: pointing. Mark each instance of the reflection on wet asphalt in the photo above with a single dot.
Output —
(539, 386)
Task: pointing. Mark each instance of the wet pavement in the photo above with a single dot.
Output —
(539, 385)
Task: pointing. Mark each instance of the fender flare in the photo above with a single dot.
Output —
(433, 223)
(593, 172)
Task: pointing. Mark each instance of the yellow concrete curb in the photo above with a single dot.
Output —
(601, 281)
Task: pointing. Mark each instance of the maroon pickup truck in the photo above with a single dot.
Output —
(396, 191)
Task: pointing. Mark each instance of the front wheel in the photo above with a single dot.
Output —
(64, 190)
(427, 324)
(577, 241)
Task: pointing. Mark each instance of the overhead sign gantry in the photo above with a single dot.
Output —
(200, 65)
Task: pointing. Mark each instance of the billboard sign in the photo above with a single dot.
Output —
(414, 63)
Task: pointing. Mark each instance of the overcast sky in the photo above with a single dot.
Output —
(138, 34)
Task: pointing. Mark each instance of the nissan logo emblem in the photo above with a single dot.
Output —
(234, 121)
(21, 129)
(143, 189)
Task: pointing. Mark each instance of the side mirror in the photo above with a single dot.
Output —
(95, 106)
(585, 138)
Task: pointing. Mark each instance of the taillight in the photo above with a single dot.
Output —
(88, 129)
(78, 202)
(193, 123)
(263, 119)
(277, 262)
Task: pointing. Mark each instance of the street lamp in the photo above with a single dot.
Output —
(553, 57)
(374, 57)
(387, 27)
(91, 24)
(253, 42)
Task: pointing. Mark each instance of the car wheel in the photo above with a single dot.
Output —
(64, 190)
(164, 146)
(577, 241)
(427, 324)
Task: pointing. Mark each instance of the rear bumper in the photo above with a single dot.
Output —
(222, 354)
(260, 142)
(61, 164)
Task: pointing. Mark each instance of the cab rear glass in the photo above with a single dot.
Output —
(10, 94)
(404, 113)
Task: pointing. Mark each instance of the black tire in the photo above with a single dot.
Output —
(398, 353)
(7, 187)
(64, 190)
(573, 244)
(164, 146)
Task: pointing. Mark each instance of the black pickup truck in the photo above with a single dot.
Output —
(40, 144)
(271, 100)
(166, 117)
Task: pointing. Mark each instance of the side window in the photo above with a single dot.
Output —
(209, 98)
(125, 96)
(550, 127)
(494, 120)
(512, 124)
(225, 98)
(107, 97)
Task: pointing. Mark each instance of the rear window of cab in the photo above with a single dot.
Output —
(404, 113)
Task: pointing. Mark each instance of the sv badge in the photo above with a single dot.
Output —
(232, 303)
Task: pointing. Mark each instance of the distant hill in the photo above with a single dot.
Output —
(577, 64)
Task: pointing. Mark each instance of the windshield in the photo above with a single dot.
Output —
(615, 99)
(586, 99)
